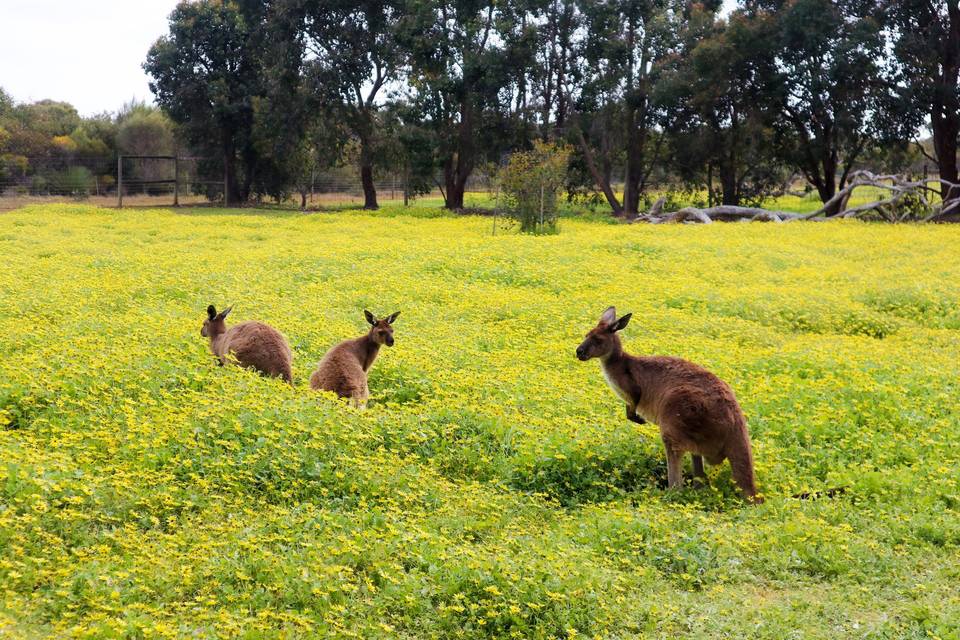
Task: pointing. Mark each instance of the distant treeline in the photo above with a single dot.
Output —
(47, 147)
(643, 92)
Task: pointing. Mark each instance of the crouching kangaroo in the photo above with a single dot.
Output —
(343, 369)
(249, 344)
(695, 410)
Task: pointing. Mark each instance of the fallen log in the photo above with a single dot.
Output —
(902, 205)
(721, 212)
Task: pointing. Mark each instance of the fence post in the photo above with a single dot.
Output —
(119, 181)
(176, 180)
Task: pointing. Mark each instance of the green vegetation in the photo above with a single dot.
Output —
(494, 488)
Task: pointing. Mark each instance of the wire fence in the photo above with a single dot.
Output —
(163, 181)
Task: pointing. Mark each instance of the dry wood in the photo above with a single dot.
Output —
(890, 209)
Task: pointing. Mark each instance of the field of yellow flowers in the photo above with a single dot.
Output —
(493, 489)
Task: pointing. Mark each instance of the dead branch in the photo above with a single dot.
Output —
(718, 213)
(893, 208)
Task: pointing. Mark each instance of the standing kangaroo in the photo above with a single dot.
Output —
(249, 344)
(343, 369)
(695, 410)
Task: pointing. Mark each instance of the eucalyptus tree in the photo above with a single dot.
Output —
(720, 119)
(464, 62)
(352, 56)
(555, 70)
(828, 86)
(206, 74)
(623, 47)
(927, 62)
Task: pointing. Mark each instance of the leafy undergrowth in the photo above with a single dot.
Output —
(493, 488)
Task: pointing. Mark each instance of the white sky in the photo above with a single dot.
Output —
(85, 52)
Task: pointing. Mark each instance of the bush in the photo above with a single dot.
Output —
(530, 182)
(39, 185)
(75, 181)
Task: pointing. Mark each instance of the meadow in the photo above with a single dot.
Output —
(493, 489)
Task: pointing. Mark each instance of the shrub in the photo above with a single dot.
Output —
(530, 182)
(75, 181)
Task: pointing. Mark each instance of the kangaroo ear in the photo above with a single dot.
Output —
(223, 314)
(609, 316)
(392, 317)
(211, 312)
(620, 324)
(372, 319)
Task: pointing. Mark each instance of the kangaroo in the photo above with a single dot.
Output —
(695, 410)
(249, 344)
(343, 369)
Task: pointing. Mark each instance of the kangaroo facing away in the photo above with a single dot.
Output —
(248, 344)
(343, 369)
(695, 410)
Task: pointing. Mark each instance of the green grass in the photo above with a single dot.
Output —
(494, 488)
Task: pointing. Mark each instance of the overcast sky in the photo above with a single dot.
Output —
(85, 52)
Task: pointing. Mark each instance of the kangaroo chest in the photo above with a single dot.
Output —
(613, 384)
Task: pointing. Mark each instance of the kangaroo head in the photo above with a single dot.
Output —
(381, 331)
(603, 339)
(216, 323)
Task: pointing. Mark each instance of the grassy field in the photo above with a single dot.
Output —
(494, 488)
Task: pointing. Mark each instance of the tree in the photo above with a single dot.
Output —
(49, 117)
(353, 53)
(623, 50)
(828, 83)
(464, 57)
(927, 60)
(556, 71)
(206, 74)
(720, 118)
(143, 129)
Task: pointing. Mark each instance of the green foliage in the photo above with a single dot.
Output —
(73, 181)
(207, 74)
(823, 62)
(722, 122)
(143, 129)
(530, 183)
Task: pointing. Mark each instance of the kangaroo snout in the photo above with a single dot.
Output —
(581, 354)
(389, 341)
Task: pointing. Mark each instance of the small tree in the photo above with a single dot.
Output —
(530, 182)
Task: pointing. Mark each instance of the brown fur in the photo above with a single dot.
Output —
(343, 369)
(695, 410)
(248, 344)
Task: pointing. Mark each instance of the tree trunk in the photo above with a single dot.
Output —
(827, 189)
(827, 183)
(456, 172)
(634, 143)
(602, 181)
(230, 192)
(369, 190)
(946, 127)
(945, 116)
(454, 194)
(709, 184)
(730, 194)
(634, 168)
